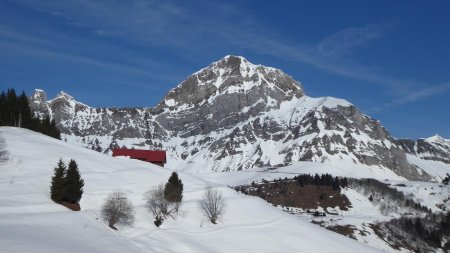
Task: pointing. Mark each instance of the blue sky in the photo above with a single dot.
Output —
(389, 58)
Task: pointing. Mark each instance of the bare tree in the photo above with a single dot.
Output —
(212, 204)
(158, 205)
(118, 210)
(4, 154)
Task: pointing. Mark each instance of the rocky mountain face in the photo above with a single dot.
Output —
(234, 115)
(434, 148)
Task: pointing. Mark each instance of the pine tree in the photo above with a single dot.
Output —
(3, 109)
(336, 184)
(24, 111)
(57, 186)
(173, 190)
(344, 182)
(11, 106)
(54, 131)
(73, 183)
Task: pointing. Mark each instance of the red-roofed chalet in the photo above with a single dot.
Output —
(152, 156)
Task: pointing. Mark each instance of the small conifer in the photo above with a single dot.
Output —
(73, 183)
(57, 186)
(173, 190)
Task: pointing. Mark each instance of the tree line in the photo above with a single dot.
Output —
(16, 111)
(317, 180)
(322, 180)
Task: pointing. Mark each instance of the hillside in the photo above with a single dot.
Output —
(31, 222)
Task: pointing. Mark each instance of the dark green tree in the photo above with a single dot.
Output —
(73, 183)
(173, 190)
(336, 184)
(11, 108)
(54, 131)
(3, 109)
(57, 187)
(24, 111)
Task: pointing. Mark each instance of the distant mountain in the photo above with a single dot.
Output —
(434, 148)
(234, 115)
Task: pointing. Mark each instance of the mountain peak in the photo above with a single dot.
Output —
(436, 138)
(240, 65)
(233, 60)
(39, 96)
(63, 94)
(233, 76)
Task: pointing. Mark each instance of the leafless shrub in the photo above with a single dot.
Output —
(212, 204)
(118, 210)
(158, 205)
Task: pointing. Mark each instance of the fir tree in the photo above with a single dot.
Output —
(336, 184)
(3, 109)
(73, 183)
(24, 117)
(57, 186)
(11, 107)
(344, 182)
(173, 190)
(54, 131)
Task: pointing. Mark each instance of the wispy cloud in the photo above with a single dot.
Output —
(421, 94)
(343, 42)
(417, 95)
(7, 34)
(46, 54)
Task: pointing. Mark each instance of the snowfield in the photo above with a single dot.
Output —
(31, 222)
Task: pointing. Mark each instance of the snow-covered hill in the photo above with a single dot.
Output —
(31, 222)
(234, 115)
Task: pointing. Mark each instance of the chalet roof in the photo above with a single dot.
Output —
(147, 155)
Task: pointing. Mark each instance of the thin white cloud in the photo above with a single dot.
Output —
(42, 53)
(8, 34)
(422, 94)
(343, 42)
(412, 97)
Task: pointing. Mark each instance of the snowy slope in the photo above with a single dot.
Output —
(31, 222)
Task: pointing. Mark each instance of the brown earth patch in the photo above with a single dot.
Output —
(71, 206)
(292, 194)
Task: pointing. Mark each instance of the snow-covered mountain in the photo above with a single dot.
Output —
(234, 115)
(434, 148)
